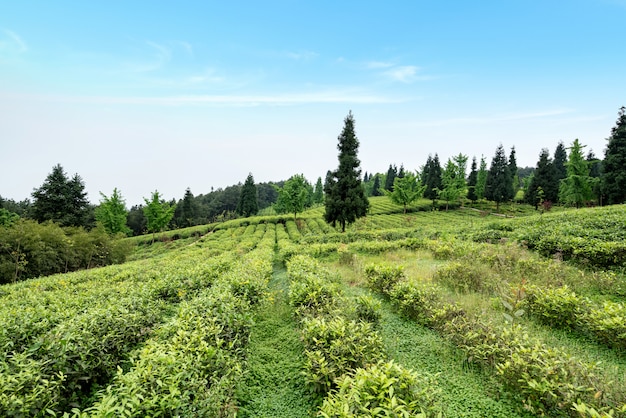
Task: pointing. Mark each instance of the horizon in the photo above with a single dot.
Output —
(143, 97)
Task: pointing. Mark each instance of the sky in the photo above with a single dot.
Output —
(144, 95)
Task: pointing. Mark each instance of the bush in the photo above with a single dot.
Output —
(382, 390)
(466, 277)
(367, 309)
(335, 347)
(559, 307)
(382, 277)
(416, 302)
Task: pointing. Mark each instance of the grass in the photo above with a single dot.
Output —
(274, 386)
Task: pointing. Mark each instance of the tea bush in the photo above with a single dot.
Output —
(383, 277)
(382, 390)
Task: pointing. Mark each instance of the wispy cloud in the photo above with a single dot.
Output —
(289, 99)
(403, 74)
(13, 41)
(302, 55)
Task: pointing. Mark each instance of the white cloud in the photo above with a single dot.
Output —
(302, 55)
(14, 42)
(404, 73)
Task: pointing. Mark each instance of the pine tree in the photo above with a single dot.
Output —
(187, 210)
(471, 182)
(544, 179)
(513, 172)
(318, 193)
(560, 171)
(481, 178)
(392, 173)
(576, 188)
(61, 200)
(401, 172)
(248, 203)
(376, 188)
(499, 188)
(432, 178)
(345, 196)
(614, 166)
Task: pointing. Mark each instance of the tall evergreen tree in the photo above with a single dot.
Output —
(345, 196)
(481, 178)
(595, 172)
(499, 188)
(187, 210)
(376, 188)
(544, 179)
(614, 165)
(471, 182)
(392, 173)
(61, 200)
(401, 172)
(560, 170)
(513, 172)
(248, 204)
(576, 188)
(318, 192)
(431, 178)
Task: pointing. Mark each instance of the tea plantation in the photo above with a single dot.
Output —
(454, 313)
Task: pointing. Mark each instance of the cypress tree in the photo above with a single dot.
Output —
(481, 178)
(513, 172)
(248, 204)
(576, 188)
(614, 166)
(498, 187)
(376, 188)
(560, 171)
(543, 179)
(187, 209)
(318, 193)
(432, 178)
(392, 173)
(345, 196)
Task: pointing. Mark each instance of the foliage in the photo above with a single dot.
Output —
(390, 178)
(481, 179)
(61, 200)
(7, 218)
(472, 179)
(248, 203)
(576, 188)
(614, 164)
(383, 277)
(453, 179)
(382, 390)
(543, 186)
(158, 212)
(345, 196)
(318, 192)
(294, 196)
(406, 190)
(112, 213)
(499, 187)
(431, 178)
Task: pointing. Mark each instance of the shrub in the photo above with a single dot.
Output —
(559, 307)
(335, 347)
(608, 324)
(382, 390)
(382, 277)
(367, 309)
(416, 302)
(466, 277)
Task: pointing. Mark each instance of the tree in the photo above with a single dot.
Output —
(318, 192)
(576, 188)
(392, 173)
(293, 197)
(544, 179)
(481, 179)
(376, 188)
(453, 179)
(8, 218)
(614, 166)
(471, 182)
(513, 172)
(431, 178)
(345, 196)
(406, 189)
(595, 172)
(112, 213)
(499, 188)
(61, 200)
(248, 203)
(136, 220)
(560, 171)
(158, 213)
(187, 211)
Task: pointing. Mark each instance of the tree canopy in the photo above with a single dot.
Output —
(406, 189)
(248, 203)
(158, 212)
(112, 213)
(294, 196)
(576, 188)
(499, 186)
(614, 165)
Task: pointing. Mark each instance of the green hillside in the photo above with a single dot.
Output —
(429, 313)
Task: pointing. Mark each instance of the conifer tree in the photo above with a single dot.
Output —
(471, 182)
(345, 196)
(248, 203)
(543, 179)
(499, 188)
(187, 209)
(318, 192)
(614, 165)
(431, 178)
(61, 200)
(576, 188)
(392, 173)
(560, 171)
(481, 178)
(513, 172)
(376, 188)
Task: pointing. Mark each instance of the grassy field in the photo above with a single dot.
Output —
(459, 313)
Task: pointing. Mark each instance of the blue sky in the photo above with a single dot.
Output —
(148, 95)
